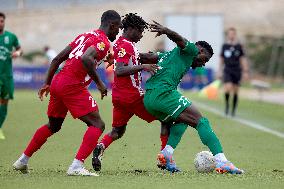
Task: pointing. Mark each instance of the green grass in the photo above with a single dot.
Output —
(130, 162)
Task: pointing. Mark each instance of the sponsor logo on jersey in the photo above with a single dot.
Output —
(121, 53)
(6, 40)
(101, 46)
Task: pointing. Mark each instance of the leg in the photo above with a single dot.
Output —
(3, 115)
(227, 90)
(39, 138)
(235, 98)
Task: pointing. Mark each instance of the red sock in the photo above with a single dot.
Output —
(89, 142)
(38, 140)
(107, 140)
(164, 140)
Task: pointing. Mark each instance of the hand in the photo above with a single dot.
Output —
(44, 89)
(110, 59)
(152, 68)
(103, 90)
(156, 27)
(16, 54)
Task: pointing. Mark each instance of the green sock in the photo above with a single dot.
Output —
(208, 137)
(3, 114)
(176, 132)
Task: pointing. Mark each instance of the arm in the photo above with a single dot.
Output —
(18, 52)
(89, 62)
(245, 67)
(172, 35)
(62, 56)
(124, 70)
(221, 67)
(148, 58)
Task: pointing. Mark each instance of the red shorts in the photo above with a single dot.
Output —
(73, 98)
(122, 112)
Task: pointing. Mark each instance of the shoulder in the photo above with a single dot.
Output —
(124, 44)
(8, 33)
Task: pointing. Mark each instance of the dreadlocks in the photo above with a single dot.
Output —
(134, 21)
(206, 45)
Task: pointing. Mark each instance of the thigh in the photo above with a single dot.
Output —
(56, 108)
(189, 116)
(236, 78)
(140, 111)
(80, 102)
(7, 88)
(120, 114)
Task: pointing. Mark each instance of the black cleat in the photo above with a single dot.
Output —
(97, 157)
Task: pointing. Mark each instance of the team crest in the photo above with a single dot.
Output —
(121, 53)
(6, 40)
(101, 46)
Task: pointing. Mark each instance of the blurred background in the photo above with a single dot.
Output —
(46, 27)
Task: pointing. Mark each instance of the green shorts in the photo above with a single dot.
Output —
(7, 88)
(166, 106)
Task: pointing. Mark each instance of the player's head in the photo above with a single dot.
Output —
(2, 21)
(204, 54)
(110, 23)
(231, 34)
(133, 26)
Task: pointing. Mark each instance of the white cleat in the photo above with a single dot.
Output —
(80, 171)
(19, 166)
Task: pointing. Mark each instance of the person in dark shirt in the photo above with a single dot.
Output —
(233, 68)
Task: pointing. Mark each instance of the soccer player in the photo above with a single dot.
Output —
(234, 66)
(9, 48)
(68, 92)
(127, 94)
(164, 101)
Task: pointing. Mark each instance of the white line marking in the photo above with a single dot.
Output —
(240, 120)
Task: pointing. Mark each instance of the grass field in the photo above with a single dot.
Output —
(130, 162)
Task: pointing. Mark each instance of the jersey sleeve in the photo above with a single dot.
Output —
(241, 51)
(190, 49)
(101, 47)
(123, 54)
(16, 42)
(160, 54)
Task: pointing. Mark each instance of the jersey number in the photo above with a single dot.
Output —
(93, 101)
(78, 50)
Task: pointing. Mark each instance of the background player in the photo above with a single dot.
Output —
(233, 66)
(127, 93)
(164, 101)
(9, 48)
(68, 92)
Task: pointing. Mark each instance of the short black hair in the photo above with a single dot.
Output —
(134, 21)
(206, 46)
(2, 15)
(109, 15)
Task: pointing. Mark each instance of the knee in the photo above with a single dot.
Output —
(118, 132)
(53, 127)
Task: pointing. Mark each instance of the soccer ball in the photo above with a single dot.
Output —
(204, 162)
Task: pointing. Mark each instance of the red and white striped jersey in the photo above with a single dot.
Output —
(126, 88)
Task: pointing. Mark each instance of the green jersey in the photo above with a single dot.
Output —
(8, 41)
(174, 65)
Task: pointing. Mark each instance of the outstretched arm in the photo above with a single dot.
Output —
(172, 35)
(148, 58)
(124, 70)
(62, 56)
(89, 62)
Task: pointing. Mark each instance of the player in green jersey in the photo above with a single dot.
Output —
(9, 49)
(164, 101)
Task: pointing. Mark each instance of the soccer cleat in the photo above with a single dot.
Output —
(19, 166)
(161, 162)
(2, 136)
(170, 163)
(227, 167)
(80, 171)
(97, 157)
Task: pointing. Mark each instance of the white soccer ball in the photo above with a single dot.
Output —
(204, 162)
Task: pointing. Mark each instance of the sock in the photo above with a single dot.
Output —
(235, 103)
(169, 149)
(164, 140)
(208, 137)
(24, 159)
(227, 97)
(176, 132)
(76, 164)
(3, 114)
(106, 140)
(38, 140)
(220, 157)
(89, 142)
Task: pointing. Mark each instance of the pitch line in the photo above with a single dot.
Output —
(240, 120)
